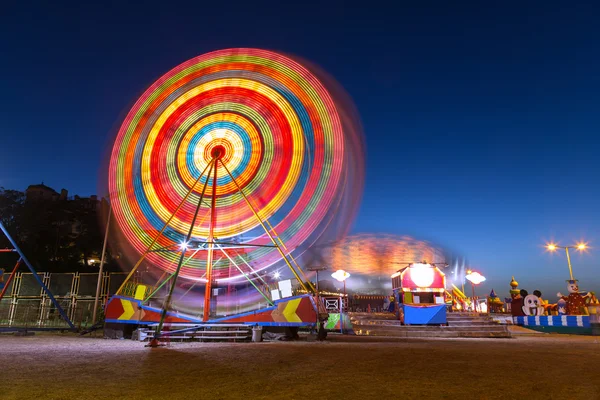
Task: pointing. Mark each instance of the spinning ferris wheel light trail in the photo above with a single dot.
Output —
(242, 153)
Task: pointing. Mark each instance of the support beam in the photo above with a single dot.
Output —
(101, 269)
(266, 230)
(10, 278)
(249, 266)
(246, 276)
(289, 253)
(167, 303)
(37, 278)
(163, 283)
(194, 284)
(135, 267)
(210, 240)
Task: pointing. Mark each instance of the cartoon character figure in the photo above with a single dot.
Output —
(575, 301)
(561, 307)
(532, 303)
(516, 307)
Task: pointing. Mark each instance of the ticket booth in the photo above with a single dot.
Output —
(419, 290)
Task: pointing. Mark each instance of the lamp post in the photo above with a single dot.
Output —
(469, 272)
(101, 269)
(552, 247)
(340, 275)
(317, 269)
(475, 278)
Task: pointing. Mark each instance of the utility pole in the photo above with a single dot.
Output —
(101, 269)
(318, 301)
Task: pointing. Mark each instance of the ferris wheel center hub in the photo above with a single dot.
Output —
(217, 152)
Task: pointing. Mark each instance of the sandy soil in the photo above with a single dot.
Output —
(68, 367)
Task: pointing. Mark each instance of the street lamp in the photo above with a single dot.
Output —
(319, 305)
(475, 278)
(552, 247)
(340, 275)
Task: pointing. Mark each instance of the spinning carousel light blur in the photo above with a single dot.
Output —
(279, 130)
(378, 255)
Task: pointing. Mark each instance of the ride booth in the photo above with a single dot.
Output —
(419, 291)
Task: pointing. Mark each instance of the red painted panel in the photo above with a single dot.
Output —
(114, 309)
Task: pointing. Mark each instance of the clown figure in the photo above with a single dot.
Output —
(575, 302)
(561, 307)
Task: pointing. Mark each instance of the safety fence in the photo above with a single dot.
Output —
(25, 304)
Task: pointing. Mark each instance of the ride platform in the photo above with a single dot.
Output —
(297, 311)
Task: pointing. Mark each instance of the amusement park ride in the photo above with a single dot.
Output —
(225, 167)
(23, 259)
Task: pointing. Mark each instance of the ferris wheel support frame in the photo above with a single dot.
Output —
(283, 255)
(210, 241)
(149, 249)
(167, 302)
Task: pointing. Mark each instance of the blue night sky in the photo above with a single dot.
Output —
(481, 121)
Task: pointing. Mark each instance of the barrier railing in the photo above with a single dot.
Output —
(26, 305)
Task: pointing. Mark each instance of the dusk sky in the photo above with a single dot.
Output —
(481, 121)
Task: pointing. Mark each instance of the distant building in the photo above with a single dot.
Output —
(42, 192)
(91, 202)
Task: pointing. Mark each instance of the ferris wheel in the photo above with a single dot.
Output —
(231, 163)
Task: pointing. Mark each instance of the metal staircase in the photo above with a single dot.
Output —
(200, 332)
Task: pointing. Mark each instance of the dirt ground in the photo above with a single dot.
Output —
(70, 367)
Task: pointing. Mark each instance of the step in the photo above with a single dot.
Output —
(468, 314)
(430, 328)
(247, 337)
(428, 333)
(439, 334)
(456, 320)
(378, 316)
(398, 323)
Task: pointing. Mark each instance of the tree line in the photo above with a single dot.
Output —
(55, 235)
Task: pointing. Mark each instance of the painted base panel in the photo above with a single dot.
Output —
(292, 311)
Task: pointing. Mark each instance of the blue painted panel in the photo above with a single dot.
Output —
(582, 321)
(424, 315)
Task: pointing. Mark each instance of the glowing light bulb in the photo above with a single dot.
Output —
(422, 275)
(340, 275)
(475, 277)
